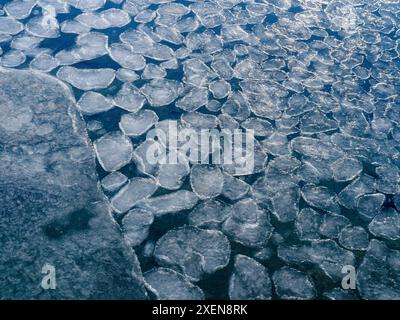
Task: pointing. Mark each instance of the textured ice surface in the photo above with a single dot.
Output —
(248, 225)
(161, 92)
(293, 284)
(249, 280)
(170, 203)
(136, 124)
(136, 225)
(136, 190)
(94, 102)
(87, 79)
(61, 217)
(209, 214)
(378, 276)
(317, 81)
(194, 252)
(129, 98)
(206, 181)
(114, 150)
(167, 284)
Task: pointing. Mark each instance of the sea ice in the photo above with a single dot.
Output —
(93, 102)
(248, 225)
(114, 151)
(170, 203)
(87, 79)
(135, 226)
(161, 92)
(129, 98)
(355, 238)
(206, 181)
(126, 57)
(249, 280)
(44, 62)
(293, 284)
(113, 181)
(209, 214)
(192, 251)
(136, 190)
(136, 124)
(167, 284)
(386, 224)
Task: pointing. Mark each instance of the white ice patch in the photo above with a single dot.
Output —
(87, 79)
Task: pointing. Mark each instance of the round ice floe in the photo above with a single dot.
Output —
(199, 121)
(167, 284)
(386, 225)
(25, 42)
(153, 71)
(10, 26)
(248, 224)
(124, 55)
(194, 99)
(354, 238)
(159, 52)
(293, 284)
(206, 181)
(234, 188)
(171, 176)
(44, 62)
(12, 58)
(145, 16)
(136, 190)
(136, 225)
(161, 92)
(194, 252)
(93, 102)
(113, 181)
(93, 20)
(249, 280)
(129, 98)
(126, 75)
(115, 17)
(138, 41)
(87, 79)
(170, 203)
(73, 26)
(220, 89)
(45, 26)
(369, 205)
(209, 214)
(91, 45)
(20, 9)
(87, 5)
(114, 151)
(136, 124)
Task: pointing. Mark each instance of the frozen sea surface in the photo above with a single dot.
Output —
(317, 81)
